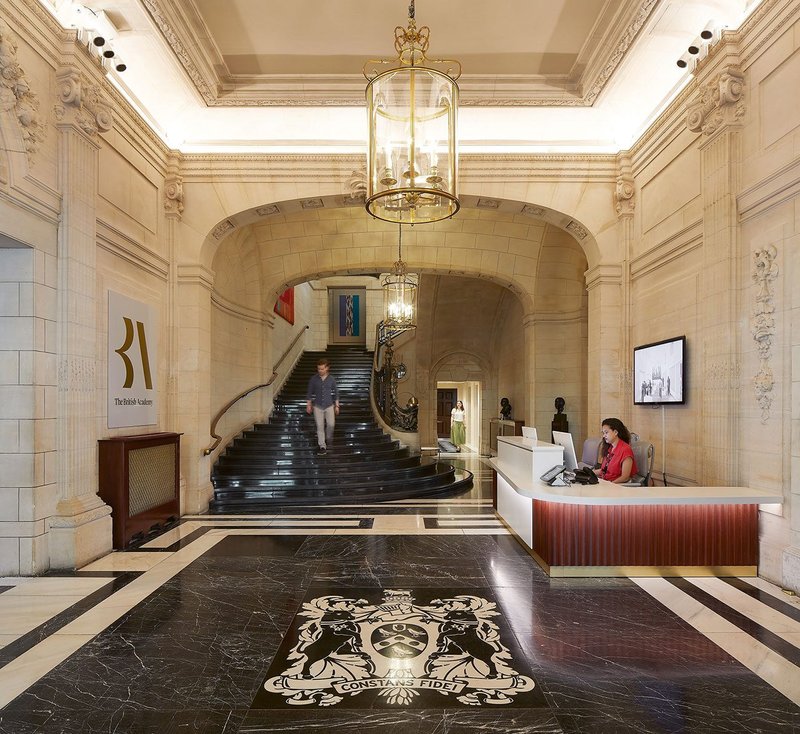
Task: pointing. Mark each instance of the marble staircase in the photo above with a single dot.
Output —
(276, 463)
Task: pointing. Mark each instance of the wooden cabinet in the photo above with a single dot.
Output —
(140, 481)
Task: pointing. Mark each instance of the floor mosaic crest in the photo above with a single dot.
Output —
(396, 648)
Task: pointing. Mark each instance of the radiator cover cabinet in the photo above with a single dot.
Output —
(140, 480)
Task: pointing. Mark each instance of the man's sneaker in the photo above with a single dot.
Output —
(321, 451)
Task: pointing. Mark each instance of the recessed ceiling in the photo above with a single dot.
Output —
(521, 52)
(554, 76)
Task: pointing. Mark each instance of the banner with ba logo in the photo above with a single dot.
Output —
(132, 363)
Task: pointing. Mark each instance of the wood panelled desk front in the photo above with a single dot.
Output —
(606, 529)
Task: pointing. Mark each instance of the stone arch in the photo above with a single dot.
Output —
(513, 212)
(315, 238)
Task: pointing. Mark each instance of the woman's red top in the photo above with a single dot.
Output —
(611, 468)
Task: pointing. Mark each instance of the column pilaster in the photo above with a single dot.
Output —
(81, 529)
(604, 285)
(715, 113)
(193, 389)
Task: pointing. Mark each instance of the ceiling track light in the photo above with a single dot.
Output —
(95, 30)
(699, 48)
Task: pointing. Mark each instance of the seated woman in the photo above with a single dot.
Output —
(617, 464)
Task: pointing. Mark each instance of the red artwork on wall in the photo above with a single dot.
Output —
(284, 306)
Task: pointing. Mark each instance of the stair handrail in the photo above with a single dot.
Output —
(384, 383)
(217, 438)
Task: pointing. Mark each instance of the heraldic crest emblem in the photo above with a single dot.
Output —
(398, 649)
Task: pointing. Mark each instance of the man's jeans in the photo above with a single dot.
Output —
(325, 418)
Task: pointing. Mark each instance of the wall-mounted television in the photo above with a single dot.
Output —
(659, 376)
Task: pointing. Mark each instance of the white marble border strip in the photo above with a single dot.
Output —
(24, 671)
(768, 665)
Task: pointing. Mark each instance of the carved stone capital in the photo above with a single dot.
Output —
(81, 103)
(719, 102)
(15, 93)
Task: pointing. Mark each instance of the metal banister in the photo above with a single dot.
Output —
(217, 438)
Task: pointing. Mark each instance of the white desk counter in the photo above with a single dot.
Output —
(606, 529)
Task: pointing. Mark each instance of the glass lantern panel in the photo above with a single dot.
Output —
(413, 171)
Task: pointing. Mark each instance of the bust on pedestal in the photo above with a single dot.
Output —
(560, 422)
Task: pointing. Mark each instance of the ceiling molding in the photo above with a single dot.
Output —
(191, 40)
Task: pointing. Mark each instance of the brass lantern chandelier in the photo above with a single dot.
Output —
(400, 294)
(412, 166)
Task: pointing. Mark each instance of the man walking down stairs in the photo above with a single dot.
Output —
(322, 399)
(277, 463)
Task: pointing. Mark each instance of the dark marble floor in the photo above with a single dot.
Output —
(584, 655)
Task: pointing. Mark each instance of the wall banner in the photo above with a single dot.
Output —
(132, 362)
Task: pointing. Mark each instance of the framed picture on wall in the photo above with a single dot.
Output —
(284, 306)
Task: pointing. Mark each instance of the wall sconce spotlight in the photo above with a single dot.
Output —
(119, 64)
(694, 47)
(684, 61)
(108, 53)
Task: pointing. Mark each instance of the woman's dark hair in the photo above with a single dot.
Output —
(615, 424)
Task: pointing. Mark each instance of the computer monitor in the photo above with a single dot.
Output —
(565, 439)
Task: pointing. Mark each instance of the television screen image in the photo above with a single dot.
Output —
(658, 373)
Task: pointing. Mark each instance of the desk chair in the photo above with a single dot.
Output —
(644, 453)
(589, 453)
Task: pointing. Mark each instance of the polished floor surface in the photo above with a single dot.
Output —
(418, 617)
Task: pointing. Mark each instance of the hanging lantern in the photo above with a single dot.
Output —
(412, 158)
(400, 295)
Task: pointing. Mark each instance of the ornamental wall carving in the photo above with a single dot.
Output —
(16, 94)
(719, 102)
(624, 190)
(81, 103)
(762, 325)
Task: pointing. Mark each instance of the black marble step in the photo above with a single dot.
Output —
(333, 467)
(444, 480)
(366, 475)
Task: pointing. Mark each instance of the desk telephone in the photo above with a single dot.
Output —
(559, 477)
(552, 475)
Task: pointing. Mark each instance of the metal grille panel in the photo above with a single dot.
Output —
(151, 481)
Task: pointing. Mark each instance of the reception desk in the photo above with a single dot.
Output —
(606, 529)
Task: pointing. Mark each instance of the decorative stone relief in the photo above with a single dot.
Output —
(719, 102)
(762, 324)
(222, 229)
(532, 211)
(173, 193)
(265, 211)
(15, 93)
(624, 202)
(82, 103)
(312, 203)
(357, 184)
(488, 204)
(577, 230)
